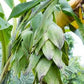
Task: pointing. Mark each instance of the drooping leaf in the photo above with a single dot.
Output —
(21, 8)
(41, 43)
(53, 76)
(4, 24)
(65, 57)
(36, 21)
(1, 12)
(48, 50)
(46, 22)
(5, 31)
(27, 42)
(33, 61)
(55, 34)
(57, 58)
(51, 52)
(42, 68)
(65, 6)
(10, 3)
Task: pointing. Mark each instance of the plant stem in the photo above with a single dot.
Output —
(5, 70)
(4, 57)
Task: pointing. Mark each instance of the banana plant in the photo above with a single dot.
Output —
(38, 43)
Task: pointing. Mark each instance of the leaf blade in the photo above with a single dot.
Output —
(42, 68)
(53, 76)
(21, 8)
(55, 34)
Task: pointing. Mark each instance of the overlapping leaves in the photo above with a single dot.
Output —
(43, 47)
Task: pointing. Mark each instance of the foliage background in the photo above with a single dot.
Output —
(73, 73)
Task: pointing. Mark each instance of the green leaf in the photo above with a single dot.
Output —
(42, 68)
(10, 3)
(46, 22)
(48, 50)
(5, 31)
(41, 43)
(42, 30)
(53, 76)
(55, 34)
(21, 64)
(1, 12)
(65, 6)
(33, 61)
(27, 42)
(5, 34)
(36, 21)
(20, 61)
(51, 52)
(57, 58)
(23, 7)
(65, 57)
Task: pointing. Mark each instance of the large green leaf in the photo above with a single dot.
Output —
(53, 76)
(55, 34)
(1, 12)
(42, 68)
(23, 7)
(33, 61)
(57, 58)
(10, 3)
(5, 31)
(48, 50)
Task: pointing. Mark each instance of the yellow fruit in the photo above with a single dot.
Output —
(63, 20)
